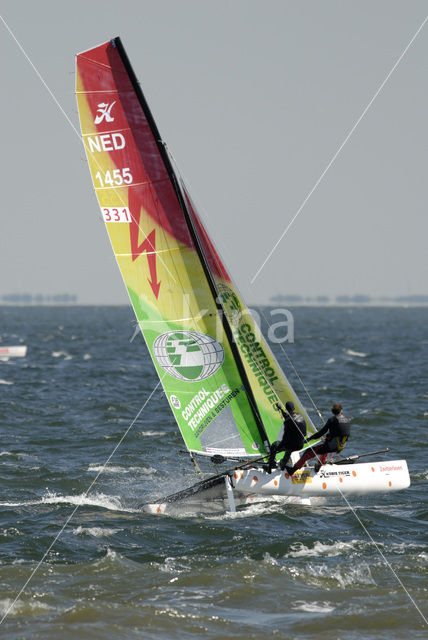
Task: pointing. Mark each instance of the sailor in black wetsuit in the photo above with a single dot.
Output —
(338, 428)
(292, 439)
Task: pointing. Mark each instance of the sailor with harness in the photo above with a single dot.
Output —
(293, 436)
(337, 428)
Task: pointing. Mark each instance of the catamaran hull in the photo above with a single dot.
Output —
(353, 479)
(248, 485)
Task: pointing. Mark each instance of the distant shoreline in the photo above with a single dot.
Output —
(26, 299)
(315, 305)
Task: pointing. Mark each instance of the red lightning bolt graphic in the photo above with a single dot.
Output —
(148, 245)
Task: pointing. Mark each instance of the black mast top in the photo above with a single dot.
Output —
(116, 42)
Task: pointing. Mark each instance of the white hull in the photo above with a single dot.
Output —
(13, 352)
(351, 479)
(254, 483)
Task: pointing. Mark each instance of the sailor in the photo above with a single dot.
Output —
(337, 429)
(293, 436)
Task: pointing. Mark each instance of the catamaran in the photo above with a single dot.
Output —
(219, 374)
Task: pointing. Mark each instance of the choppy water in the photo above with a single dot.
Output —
(274, 571)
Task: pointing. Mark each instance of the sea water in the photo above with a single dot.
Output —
(78, 560)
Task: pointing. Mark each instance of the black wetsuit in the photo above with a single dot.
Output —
(339, 429)
(292, 439)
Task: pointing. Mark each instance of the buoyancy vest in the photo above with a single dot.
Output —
(339, 430)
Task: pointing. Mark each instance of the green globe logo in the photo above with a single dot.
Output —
(188, 355)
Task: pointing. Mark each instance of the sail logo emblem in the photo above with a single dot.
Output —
(104, 110)
(175, 402)
(188, 355)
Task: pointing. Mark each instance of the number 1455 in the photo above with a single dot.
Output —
(114, 178)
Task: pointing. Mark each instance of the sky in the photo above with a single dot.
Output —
(254, 99)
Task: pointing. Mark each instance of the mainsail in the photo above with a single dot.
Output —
(217, 371)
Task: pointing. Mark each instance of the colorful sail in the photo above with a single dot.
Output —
(177, 284)
(267, 380)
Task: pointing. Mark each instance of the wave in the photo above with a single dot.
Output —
(299, 550)
(24, 607)
(6, 382)
(313, 607)
(339, 548)
(325, 576)
(152, 433)
(96, 500)
(62, 354)
(96, 532)
(111, 503)
(112, 469)
(357, 354)
(258, 505)
(18, 455)
(343, 575)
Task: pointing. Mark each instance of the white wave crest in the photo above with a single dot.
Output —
(61, 354)
(112, 469)
(173, 565)
(22, 607)
(268, 559)
(313, 607)
(96, 532)
(299, 550)
(95, 500)
(344, 575)
(357, 354)
(111, 503)
(152, 433)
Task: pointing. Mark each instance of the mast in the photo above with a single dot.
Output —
(116, 42)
